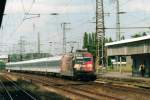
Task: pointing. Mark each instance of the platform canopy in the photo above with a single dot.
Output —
(134, 46)
(2, 8)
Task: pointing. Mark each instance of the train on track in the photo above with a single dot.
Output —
(79, 65)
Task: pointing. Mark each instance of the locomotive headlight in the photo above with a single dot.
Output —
(89, 65)
(83, 66)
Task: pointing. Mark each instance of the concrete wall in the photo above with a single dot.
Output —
(129, 61)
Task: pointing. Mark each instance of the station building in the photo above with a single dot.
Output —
(137, 48)
(4, 58)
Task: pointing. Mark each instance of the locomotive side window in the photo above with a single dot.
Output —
(79, 61)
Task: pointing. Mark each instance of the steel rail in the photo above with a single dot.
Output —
(6, 90)
(51, 84)
(74, 90)
(98, 94)
(123, 88)
(21, 89)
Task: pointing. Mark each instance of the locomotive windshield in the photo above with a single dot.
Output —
(86, 59)
(83, 60)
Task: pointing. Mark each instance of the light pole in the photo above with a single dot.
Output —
(50, 47)
(64, 35)
(35, 15)
(118, 32)
(72, 44)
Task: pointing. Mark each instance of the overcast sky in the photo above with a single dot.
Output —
(77, 12)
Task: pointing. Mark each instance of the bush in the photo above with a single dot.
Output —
(2, 65)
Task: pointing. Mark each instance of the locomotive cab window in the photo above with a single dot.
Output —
(79, 61)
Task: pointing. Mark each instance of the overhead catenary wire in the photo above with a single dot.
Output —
(22, 21)
(78, 25)
(121, 5)
(146, 27)
(140, 19)
(124, 4)
(131, 26)
(23, 7)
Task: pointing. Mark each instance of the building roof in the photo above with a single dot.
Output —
(3, 56)
(37, 60)
(129, 40)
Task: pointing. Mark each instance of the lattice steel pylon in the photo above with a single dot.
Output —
(100, 33)
(118, 33)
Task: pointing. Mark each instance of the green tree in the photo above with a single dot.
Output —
(89, 42)
(110, 39)
(93, 38)
(140, 34)
(2, 65)
(106, 40)
(136, 35)
(144, 34)
(90, 39)
(85, 40)
(122, 38)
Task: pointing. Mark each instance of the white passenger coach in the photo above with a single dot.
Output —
(50, 64)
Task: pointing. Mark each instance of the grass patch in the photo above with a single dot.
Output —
(118, 69)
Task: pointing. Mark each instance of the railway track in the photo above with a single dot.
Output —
(11, 91)
(6, 94)
(71, 87)
(86, 90)
(123, 88)
(59, 82)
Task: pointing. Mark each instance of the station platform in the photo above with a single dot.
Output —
(123, 76)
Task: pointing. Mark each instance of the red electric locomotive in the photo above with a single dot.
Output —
(84, 66)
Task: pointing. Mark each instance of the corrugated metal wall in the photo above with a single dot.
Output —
(139, 51)
(140, 47)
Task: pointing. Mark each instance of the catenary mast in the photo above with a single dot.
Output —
(100, 33)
